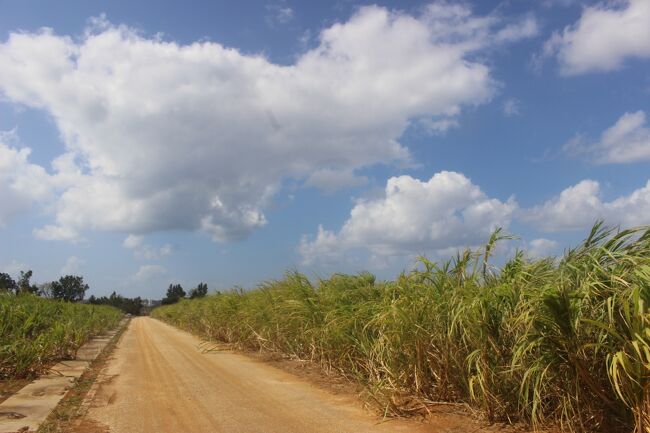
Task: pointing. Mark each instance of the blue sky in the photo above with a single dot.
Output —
(146, 143)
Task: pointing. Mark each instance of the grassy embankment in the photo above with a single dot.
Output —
(548, 342)
(34, 331)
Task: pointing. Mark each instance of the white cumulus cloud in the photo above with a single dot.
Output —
(278, 13)
(541, 247)
(149, 272)
(163, 136)
(144, 251)
(628, 140)
(579, 206)
(447, 211)
(72, 266)
(21, 182)
(602, 39)
(331, 180)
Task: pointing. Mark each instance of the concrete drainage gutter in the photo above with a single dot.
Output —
(27, 409)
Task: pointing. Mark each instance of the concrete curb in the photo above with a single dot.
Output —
(26, 410)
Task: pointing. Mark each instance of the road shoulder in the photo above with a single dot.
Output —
(38, 405)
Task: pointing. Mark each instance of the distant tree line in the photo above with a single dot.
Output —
(69, 288)
(175, 293)
(72, 288)
(128, 305)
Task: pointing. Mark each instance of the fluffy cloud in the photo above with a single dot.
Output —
(628, 140)
(278, 13)
(579, 206)
(52, 232)
(165, 136)
(144, 251)
(454, 23)
(149, 272)
(603, 38)
(447, 211)
(538, 248)
(21, 182)
(331, 180)
(72, 266)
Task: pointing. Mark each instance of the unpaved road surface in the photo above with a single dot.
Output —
(159, 381)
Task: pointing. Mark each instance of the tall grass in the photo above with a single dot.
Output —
(34, 331)
(550, 342)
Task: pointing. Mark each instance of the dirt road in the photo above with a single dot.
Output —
(159, 381)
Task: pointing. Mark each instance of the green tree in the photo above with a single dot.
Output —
(7, 284)
(200, 291)
(69, 288)
(24, 286)
(174, 294)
